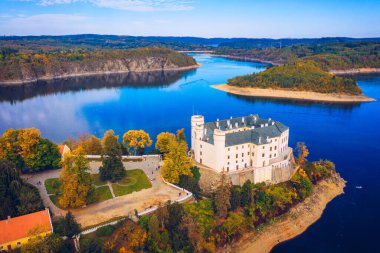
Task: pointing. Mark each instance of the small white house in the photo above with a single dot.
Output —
(249, 145)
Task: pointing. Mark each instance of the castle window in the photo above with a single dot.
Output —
(200, 152)
(263, 163)
(248, 153)
(245, 165)
(274, 154)
(275, 148)
(270, 156)
(201, 146)
(242, 160)
(228, 163)
(228, 157)
(200, 161)
(270, 149)
(242, 146)
(237, 147)
(237, 167)
(263, 147)
(228, 169)
(263, 155)
(237, 155)
(228, 149)
(242, 154)
(253, 154)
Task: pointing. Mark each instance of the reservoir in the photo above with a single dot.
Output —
(347, 134)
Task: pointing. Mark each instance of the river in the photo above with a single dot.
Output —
(346, 134)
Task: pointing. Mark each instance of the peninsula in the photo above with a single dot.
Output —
(31, 67)
(300, 80)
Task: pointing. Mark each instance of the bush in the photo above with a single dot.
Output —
(105, 231)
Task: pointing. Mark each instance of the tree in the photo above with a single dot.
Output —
(233, 225)
(236, 193)
(181, 135)
(28, 151)
(49, 244)
(16, 196)
(176, 162)
(130, 237)
(90, 144)
(69, 225)
(112, 168)
(90, 245)
(247, 194)
(302, 153)
(137, 139)
(76, 180)
(190, 225)
(222, 197)
(302, 184)
(163, 142)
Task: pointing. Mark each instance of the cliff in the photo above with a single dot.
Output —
(24, 68)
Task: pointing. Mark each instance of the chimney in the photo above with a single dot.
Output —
(217, 124)
(260, 140)
(228, 122)
(236, 125)
(242, 120)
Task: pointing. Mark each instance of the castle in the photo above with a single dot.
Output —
(245, 148)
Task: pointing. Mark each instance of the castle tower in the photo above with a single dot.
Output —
(197, 129)
(219, 144)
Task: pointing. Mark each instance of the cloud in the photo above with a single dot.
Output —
(129, 5)
(45, 23)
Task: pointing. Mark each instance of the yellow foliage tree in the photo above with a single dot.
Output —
(176, 162)
(163, 142)
(137, 139)
(75, 178)
(303, 152)
(28, 138)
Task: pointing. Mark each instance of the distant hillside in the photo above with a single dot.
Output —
(298, 76)
(21, 67)
(345, 55)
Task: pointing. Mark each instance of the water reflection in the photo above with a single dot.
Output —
(18, 93)
(298, 102)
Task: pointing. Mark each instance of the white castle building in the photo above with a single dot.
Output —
(246, 148)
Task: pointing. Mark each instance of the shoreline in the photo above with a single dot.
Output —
(355, 71)
(244, 58)
(294, 95)
(293, 223)
(45, 78)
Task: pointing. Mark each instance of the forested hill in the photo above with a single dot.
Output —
(298, 76)
(335, 56)
(26, 67)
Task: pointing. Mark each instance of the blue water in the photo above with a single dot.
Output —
(345, 134)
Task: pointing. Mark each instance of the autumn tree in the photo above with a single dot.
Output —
(190, 225)
(28, 151)
(76, 179)
(232, 226)
(302, 153)
(163, 142)
(136, 139)
(176, 162)
(222, 197)
(112, 168)
(130, 237)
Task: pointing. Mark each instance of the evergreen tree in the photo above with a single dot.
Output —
(112, 167)
(222, 197)
(70, 226)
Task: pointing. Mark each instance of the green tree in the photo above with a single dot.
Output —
(69, 225)
(112, 168)
(233, 226)
(235, 200)
(247, 193)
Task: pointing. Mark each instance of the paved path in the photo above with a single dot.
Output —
(119, 206)
(111, 189)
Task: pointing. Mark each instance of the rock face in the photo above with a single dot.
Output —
(42, 67)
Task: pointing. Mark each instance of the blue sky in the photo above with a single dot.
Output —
(204, 18)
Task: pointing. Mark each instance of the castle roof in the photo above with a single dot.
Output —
(248, 129)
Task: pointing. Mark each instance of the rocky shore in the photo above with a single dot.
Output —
(98, 72)
(294, 222)
(355, 71)
(294, 95)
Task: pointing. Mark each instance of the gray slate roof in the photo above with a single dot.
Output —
(258, 135)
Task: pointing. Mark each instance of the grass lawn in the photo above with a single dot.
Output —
(135, 180)
(99, 194)
(97, 181)
(52, 185)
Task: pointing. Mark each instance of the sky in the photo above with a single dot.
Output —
(201, 18)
